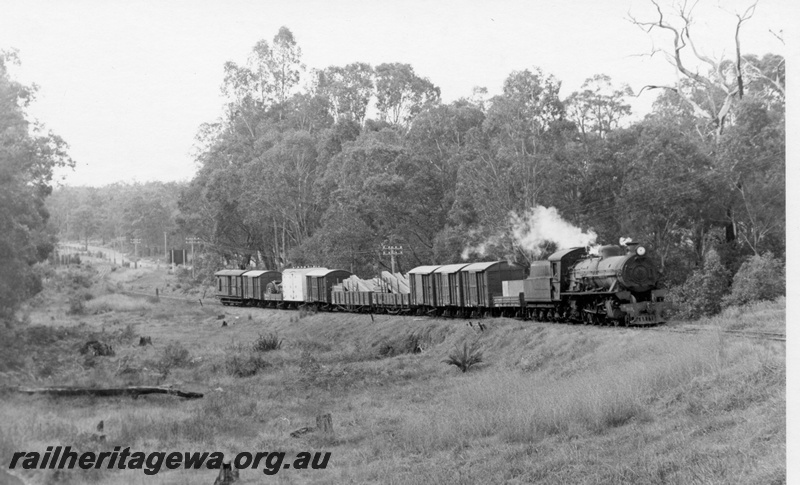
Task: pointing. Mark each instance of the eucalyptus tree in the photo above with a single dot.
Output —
(271, 72)
(598, 107)
(348, 90)
(401, 93)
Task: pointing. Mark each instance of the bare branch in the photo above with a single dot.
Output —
(748, 14)
(681, 37)
(653, 86)
(686, 16)
(697, 109)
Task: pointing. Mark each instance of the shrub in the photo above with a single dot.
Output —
(265, 343)
(79, 279)
(245, 366)
(465, 357)
(759, 278)
(76, 306)
(701, 295)
(175, 355)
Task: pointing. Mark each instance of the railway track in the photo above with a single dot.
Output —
(751, 334)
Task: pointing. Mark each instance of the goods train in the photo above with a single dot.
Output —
(617, 286)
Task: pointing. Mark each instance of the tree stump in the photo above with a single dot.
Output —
(325, 423)
(145, 341)
(227, 474)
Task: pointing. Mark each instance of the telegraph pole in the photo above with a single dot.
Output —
(136, 241)
(121, 243)
(392, 251)
(192, 240)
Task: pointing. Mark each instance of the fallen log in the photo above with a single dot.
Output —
(133, 391)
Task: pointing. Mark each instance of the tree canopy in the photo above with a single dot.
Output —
(28, 155)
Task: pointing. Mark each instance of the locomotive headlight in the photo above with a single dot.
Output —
(641, 250)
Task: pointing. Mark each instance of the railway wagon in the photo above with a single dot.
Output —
(352, 301)
(229, 288)
(484, 281)
(391, 302)
(449, 292)
(320, 282)
(255, 284)
(423, 291)
(295, 285)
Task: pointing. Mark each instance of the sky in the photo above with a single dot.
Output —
(128, 83)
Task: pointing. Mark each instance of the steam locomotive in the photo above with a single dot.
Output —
(616, 286)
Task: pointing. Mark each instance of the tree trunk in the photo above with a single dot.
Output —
(730, 227)
(227, 475)
(325, 423)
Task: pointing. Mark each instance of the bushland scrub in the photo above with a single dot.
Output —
(548, 403)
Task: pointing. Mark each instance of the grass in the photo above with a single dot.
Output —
(763, 316)
(117, 303)
(524, 407)
(549, 404)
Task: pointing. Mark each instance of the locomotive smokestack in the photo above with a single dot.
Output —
(632, 245)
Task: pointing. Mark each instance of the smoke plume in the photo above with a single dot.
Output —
(535, 227)
(531, 232)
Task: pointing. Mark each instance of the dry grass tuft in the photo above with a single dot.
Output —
(266, 343)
